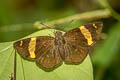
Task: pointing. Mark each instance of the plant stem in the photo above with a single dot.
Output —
(106, 5)
(93, 15)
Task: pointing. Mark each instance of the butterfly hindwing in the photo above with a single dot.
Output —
(48, 55)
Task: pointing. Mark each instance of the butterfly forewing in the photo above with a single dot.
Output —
(95, 30)
(22, 47)
(42, 49)
(76, 47)
(79, 41)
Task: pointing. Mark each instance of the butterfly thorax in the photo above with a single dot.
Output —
(59, 43)
(59, 39)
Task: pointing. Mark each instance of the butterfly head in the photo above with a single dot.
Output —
(58, 37)
(58, 33)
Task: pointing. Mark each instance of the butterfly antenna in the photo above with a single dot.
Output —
(15, 66)
(63, 27)
(44, 25)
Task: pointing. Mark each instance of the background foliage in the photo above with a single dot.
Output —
(18, 18)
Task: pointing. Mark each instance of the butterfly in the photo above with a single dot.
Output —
(72, 47)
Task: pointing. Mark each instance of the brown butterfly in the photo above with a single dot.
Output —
(72, 47)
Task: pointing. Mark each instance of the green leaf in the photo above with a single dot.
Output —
(28, 70)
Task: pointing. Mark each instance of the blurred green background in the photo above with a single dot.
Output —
(18, 16)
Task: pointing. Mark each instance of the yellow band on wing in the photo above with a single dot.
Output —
(31, 47)
(86, 34)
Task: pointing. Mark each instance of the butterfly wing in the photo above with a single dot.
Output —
(79, 40)
(41, 49)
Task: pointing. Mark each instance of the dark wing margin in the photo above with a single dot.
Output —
(95, 29)
(79, 41)
(22, 47)
(41, 49)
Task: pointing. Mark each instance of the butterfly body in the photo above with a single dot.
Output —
(72, 47)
